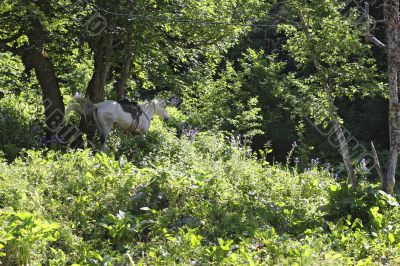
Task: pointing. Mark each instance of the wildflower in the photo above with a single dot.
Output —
(122, 161)
(336, 176)
(315, 161)
(296, 160)
(327, 167)
(294, 144)
(191, 132)
(363, 165)
(174, 101)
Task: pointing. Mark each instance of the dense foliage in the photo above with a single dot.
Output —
(244, 172)
(242, 66)
(189, 200)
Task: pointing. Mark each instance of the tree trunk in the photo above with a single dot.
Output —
(123, 77)
(51, 94)
(391, 13)
(34, 57)
(102, 49)
(344, 151)
(344, 147)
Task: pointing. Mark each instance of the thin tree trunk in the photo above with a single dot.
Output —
(377, 163)
(344, 147)
(344, 151)
(391, 13)
(123, 77)
(125, 65)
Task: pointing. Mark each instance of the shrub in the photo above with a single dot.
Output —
(19, 129)
(24, 238)
(194, 200)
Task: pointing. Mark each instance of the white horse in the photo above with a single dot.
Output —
(108, 113)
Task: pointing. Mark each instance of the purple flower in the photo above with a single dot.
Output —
(175, 100)
(336, 176)
(327, 167)
(191, 132)
(315, 161)
(363, 165)
(296, 160)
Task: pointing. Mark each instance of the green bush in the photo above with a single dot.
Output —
(203, 199)
(23, 238)
(19, 128)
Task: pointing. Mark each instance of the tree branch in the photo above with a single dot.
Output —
(368, 35)
(377, 164)
(4, 42)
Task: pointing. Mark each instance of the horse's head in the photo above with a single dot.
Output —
(160, 108)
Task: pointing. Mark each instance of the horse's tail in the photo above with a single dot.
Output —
(81, 105)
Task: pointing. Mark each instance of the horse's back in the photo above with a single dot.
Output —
(106, 104)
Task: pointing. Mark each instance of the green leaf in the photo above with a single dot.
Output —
(391, 238)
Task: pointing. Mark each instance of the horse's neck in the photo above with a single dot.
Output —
(148, 109)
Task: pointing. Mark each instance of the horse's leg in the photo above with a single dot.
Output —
(103, 136)
(96, 119)
(103, 140)
(106, 122)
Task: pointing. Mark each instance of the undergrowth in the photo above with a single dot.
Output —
(160, 199)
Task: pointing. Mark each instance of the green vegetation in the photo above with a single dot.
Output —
(265, 159)
(206, 200)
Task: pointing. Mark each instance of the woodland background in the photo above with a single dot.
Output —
(266, 157)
